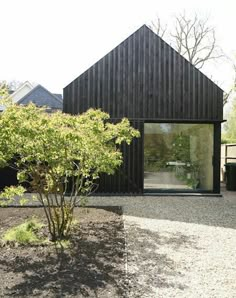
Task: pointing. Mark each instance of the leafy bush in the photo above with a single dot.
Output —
(24, 233)
(226, 140)
(57, 154)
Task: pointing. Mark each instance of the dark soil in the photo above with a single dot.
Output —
(94, 265)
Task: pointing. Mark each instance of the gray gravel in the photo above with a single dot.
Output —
(179, 246)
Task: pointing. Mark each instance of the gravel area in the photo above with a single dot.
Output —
(175, 259)
(179, 246)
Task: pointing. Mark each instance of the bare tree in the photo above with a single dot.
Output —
(11, 85)
(193, 38)
(157, 27)
(227, 95)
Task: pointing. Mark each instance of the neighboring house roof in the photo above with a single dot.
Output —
(21, 91)
(40, 96)
(59, 96)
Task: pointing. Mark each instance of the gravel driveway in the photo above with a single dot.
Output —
(179, 246)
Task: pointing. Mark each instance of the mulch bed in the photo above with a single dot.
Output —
(94, 265)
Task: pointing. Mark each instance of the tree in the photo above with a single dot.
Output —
(3, 91)
(157, 27)
(11, 85)
(53, 151)
(230, 126)
(193, 38)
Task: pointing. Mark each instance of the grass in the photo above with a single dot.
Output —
(27, 233)
(64, 244)
(24, 233)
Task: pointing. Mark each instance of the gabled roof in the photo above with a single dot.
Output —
(145, 78)
(59, 96)
(22, 90)
(40, 96)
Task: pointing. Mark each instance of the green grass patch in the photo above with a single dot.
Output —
(24, 233)
(63, 244)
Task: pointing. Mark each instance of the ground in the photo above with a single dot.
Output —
(92, 267)
(179, 246)
(163, 247)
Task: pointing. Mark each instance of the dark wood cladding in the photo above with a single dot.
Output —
(144, 78)
(8, 177)
(129, 177)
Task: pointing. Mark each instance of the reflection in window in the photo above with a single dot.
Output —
(178, 156)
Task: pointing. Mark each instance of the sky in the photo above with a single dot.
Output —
(51, 42)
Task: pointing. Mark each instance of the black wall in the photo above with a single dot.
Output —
(8, 177)
(144, 79)
(129, 177)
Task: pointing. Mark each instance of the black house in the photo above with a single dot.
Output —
(177, 109)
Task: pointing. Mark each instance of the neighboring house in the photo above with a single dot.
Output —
(21, 91)
(25, 94)
(40, 96)
(177, 109)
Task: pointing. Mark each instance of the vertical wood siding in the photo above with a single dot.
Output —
(143, 79)
(129, 177)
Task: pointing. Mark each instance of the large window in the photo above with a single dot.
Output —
(178, 156)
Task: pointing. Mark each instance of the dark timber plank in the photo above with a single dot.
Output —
(144, 79)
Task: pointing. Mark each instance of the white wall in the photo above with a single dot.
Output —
(21, 91)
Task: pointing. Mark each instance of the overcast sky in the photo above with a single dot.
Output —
(51, 42)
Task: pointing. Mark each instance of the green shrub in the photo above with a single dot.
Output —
(61, 154)
(226, 140)
(24, 233)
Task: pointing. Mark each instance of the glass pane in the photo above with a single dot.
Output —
(178, 156)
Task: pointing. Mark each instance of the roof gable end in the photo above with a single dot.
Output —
(145, 78)
(41, 97)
